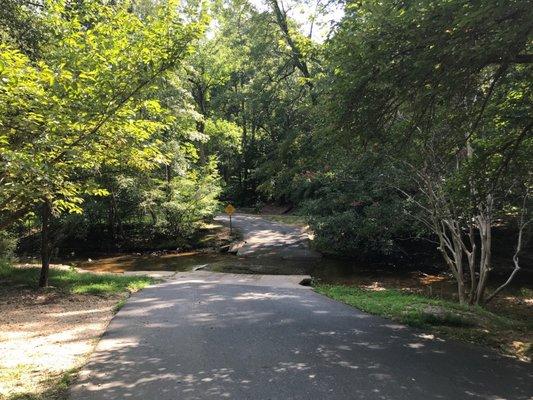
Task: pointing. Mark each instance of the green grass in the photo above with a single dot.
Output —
(75, 282)
(472, 324)
(119, 305)
(404, 307)
(526, 292)
(288, 219)
(54, 388)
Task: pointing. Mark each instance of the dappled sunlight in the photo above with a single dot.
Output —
(209, 286)
(394, 327)
(231, 342)
(263, 296)
(188, 281)
(370, 345)
(75, 313)
(375, 286)
(287, 366)
(214, 297)
(262, 238)
(45, 338)
(426, 279)
(415, 345)
(427, 336)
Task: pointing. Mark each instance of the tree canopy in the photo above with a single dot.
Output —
(404, 121)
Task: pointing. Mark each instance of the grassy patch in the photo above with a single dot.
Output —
(288, 219)
(472, 324)
(72, 281)
(119, 305)
(51, 388)
(526, 293)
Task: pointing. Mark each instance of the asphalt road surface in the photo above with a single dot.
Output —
(264, 238)
(200, 337)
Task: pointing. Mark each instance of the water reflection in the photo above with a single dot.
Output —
(172, 261)
(325, 269)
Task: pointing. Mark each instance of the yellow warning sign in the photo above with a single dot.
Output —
(229, 209)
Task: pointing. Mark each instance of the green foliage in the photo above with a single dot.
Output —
(190, 199)
(409, 85)
(19, 25)
(225, 143)
(246, 82)
(97, 121)
(352, 209)
(414, 81)
(130, 113)
(83, 105)
(351, 232)
(8, 243)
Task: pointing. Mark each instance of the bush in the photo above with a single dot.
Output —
(349, 233)
(193, 198)
(8, 243)
(358, 228)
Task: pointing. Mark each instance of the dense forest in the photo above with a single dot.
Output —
(125, 123)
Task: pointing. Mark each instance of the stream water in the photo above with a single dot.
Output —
(324, 269)
(218, 262)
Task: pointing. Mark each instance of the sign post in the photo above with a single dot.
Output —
(230, 210)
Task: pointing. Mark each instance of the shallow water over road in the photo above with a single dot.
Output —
(273, 248)
(324, 269)
(212, 261)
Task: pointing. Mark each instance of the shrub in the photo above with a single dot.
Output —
(8, 243)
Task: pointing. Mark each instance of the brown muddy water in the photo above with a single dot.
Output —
(429, 280)
(325, 269)
(211, 261)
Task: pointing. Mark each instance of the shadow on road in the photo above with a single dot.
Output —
(193, 339)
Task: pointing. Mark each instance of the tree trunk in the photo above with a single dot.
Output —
(116, 230)
(484, 222)
(153, 216)
(168, 176)
(46, 215)
(111, 219)
(471, 257)
(522, 223)
(200, 127)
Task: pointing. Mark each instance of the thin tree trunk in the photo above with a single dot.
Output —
(153, 216)
(471, 253)
(522, 223)
(168, 176)
(471, 256)
(111, 219)
(485, 265)
(452, 252)
(46, 247)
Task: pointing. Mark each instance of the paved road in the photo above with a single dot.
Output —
(267, 238)
(202, 337)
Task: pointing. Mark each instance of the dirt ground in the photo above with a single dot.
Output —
(43, 335)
